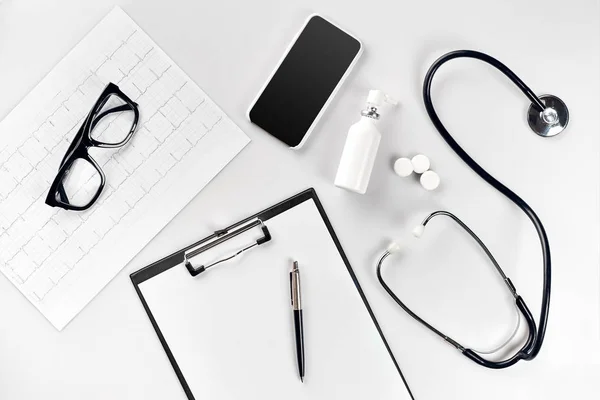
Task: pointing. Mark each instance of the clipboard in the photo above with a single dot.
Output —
(171, 291)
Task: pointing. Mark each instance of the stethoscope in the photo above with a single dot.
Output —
(547, 116)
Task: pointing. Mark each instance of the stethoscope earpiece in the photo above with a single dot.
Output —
(394, 247)
(418, 231)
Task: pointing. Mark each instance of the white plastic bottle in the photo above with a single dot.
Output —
(361, 146)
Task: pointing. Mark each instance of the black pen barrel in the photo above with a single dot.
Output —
(299, 328)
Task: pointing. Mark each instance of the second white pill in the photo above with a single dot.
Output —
(420, 163)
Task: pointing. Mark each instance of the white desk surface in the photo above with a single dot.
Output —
(110, 351)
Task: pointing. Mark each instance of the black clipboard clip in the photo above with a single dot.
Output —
(222, 236)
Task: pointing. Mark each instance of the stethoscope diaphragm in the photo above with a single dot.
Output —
(552, 120)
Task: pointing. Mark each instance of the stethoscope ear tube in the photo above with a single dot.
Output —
(522, 309)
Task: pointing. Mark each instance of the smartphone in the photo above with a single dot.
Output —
(305, 81)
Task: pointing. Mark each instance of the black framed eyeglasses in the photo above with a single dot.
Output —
(110, 123)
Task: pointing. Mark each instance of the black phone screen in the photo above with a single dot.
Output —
(304, 81)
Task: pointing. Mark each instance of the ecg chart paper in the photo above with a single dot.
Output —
(61, 259)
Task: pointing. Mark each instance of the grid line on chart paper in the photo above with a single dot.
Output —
(41, 246)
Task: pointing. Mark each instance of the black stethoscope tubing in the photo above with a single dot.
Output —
(537, 332)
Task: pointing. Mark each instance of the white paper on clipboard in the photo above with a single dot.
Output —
(230, 329)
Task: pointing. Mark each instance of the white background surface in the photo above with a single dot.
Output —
(229, 48)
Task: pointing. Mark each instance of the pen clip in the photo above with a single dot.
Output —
(291, 290)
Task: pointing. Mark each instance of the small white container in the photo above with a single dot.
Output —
(360, 151)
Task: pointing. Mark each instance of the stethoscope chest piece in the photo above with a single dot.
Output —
(552, 120)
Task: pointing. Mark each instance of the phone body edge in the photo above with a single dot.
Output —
(333, 93)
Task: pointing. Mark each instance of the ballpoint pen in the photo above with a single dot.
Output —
(298, 324)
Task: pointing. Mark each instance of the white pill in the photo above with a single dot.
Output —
(420, 163)
(430, 180)
(403, 167)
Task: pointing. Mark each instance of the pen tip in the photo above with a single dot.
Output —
(302, 379)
